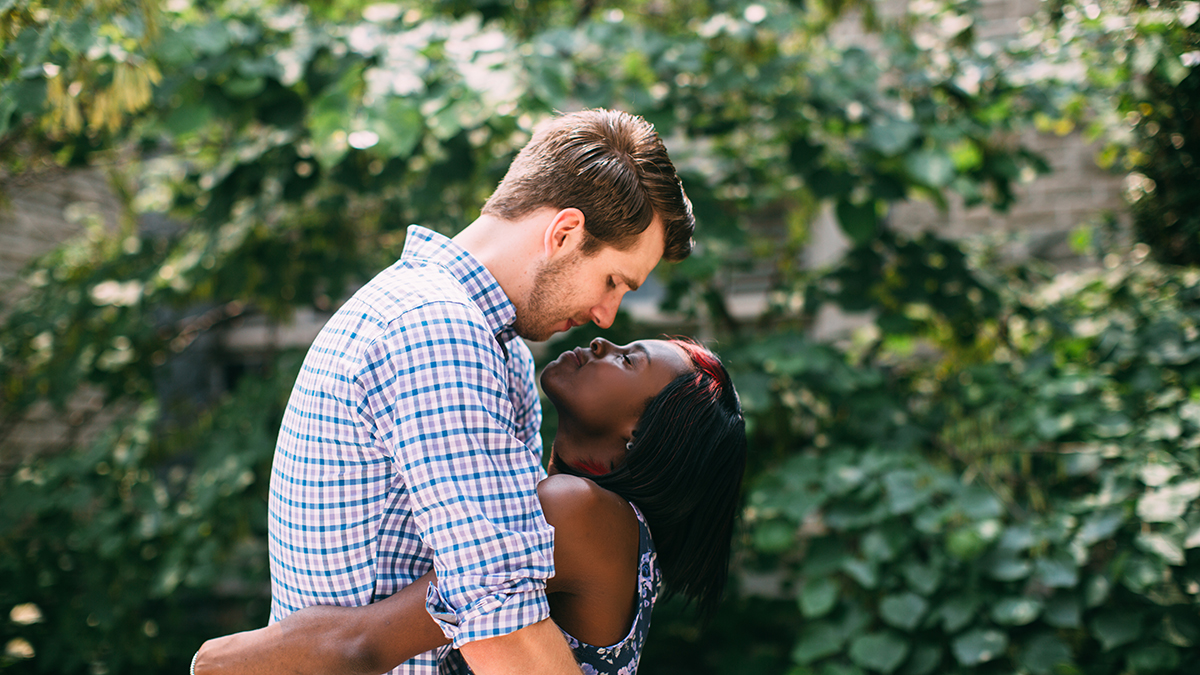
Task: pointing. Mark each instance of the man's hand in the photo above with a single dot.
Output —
(539, 649)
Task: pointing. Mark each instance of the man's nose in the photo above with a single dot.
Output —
(605, 313)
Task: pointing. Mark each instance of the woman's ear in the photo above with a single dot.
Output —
(564, 233)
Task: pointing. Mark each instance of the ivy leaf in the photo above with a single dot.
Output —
(1056, 571)
(890, 136)
(1096, 590)
(904, 610)
(968, 543)
(211, 38)
(882, 652)
(979, 646)
(826, 636)
(931, 167)
(1142, 573)
(1162, 545)
(924, 579)
(1168, 503)
(958, 612)
(817, 640)
(979, 503)
(1062, 611)
(1154, 658)
(858, 221)
(862, 571)
(1100, 525)
(1115, 628)
(1044, 654)
(924, 660)
(878, 546)
(774, 537)
(399, 124)
(818, 597)
(331, 115)
(1005, 566)
(1016, 611)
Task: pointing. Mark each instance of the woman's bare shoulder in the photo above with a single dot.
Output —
(578, 503)
(593, 527)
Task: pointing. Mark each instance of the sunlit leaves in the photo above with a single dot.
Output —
(76, 65)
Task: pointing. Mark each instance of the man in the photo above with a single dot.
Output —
(411, 437)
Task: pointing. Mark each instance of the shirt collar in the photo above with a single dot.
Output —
(430, 247)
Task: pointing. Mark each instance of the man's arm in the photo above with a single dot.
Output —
(439, 392)
(319, 640)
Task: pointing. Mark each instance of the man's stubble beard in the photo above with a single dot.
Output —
(547, 304)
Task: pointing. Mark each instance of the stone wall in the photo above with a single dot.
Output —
(39, 213)
(42, 211)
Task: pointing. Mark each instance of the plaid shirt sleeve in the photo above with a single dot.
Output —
(437, 386)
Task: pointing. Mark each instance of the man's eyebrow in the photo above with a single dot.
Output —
(632, 284)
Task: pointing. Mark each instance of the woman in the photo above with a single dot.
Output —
(650, 440)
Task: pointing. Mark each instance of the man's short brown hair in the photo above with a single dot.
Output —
(610, 165)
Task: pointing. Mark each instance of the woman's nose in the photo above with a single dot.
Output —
(600, 346)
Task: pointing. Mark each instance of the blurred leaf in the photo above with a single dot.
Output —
(1062, 611)
(1114, 629)
(1016, 611)
(1005, 566)
(958, 611)
(818, 597)
(890, 136)
(1056, 571)
(1167, 503)
(858, 221)
(882, 652)
(979, 646)
(930, 167)
(904, 610)
(922, 578)
(1044, 654)
(1166, 547)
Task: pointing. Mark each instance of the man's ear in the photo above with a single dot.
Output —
(564, 233)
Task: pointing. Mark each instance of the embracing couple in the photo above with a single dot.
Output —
(412, 526)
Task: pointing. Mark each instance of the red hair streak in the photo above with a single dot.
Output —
(705, 363)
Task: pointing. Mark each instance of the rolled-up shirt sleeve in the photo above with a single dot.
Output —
(439, 388)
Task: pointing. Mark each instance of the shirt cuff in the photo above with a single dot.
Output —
(490, 616)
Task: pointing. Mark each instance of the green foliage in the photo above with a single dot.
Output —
(122, 545)
(997, 476)
(1034, 510)
(1127, 70)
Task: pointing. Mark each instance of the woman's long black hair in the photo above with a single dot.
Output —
(684, 469)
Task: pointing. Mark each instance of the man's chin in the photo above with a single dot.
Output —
(542, 333)
(535, 334)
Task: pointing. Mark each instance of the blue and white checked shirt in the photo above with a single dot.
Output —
(410, 440)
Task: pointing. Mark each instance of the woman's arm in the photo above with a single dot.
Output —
(595, 550)
(319, 640)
